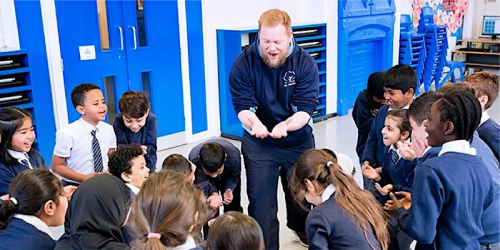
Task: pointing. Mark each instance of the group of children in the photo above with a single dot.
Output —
(107, 167)
(431, 163)
(425, 161)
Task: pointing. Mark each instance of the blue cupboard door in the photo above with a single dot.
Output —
(153, 59)
(91, 36)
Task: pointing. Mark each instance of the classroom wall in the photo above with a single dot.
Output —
(217, 14)
(8, 25)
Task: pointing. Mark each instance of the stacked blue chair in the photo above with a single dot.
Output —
(436, 43)
(412, 48)
(436, 46)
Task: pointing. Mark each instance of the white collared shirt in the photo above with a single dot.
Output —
(327, 193)
(392, 147)
(484, 117)
(36, 222)
(458, 146)
(134, 189)
(20, 156)
(74, 142)
(405, 107)
(189, 244)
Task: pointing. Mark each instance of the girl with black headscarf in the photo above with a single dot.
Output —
(96, 214)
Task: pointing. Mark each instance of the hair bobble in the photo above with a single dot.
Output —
(14, 200)
(154, 235)
(328, 164)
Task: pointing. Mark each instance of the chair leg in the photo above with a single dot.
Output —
(461, 69)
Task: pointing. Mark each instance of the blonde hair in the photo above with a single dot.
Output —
(361, 206)
(168, 205)
(274, 17)
(484, 83)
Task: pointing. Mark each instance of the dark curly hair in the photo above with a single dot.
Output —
(121, 160)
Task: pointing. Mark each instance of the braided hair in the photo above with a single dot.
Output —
(463, 110)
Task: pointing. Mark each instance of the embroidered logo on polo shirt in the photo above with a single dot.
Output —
(289, 78)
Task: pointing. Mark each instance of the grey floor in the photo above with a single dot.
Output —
(337, 133)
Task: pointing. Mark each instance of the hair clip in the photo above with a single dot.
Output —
(14, 200)
(329, 163)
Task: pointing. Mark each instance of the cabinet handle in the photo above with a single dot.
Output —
(121, 37)
(134, 35)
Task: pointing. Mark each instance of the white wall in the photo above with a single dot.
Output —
(479, 9)
(230, 14)
(8, 25)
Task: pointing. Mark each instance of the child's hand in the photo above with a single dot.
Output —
(228, 196)
(4, 197)
(88, 176)
(144, 149)
(384, 190)
(406, 151)
(392, 205)
(214, 201)
(374, 112)
(406, 200)
(419, 148)
(68, 191)
(370, 172)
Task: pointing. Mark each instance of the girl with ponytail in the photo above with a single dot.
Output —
(36, 201)
(345, 216)
(167, 213)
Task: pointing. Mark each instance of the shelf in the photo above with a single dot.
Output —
(320, 107)
(309, 38)
(322, 95)
(15, 89)
(14, 71)
(320, 60)
(322, 72)
(475, 52)
(24, 105)
(323, 48)
(322, 83)
(483, 65)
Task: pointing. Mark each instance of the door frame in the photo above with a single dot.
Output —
(57, 78)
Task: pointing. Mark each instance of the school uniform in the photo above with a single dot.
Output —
(429, 152)
(363, 119)
(489, 131)
(74, 142)
(274, 95)
(330, 227)
(24, 162)
(26, 232)
(95, 215)
(449, 194)
(375, 149)
(228, 179)
(146, 136)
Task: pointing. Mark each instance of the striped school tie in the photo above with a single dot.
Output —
(394, 157)
(96, 153)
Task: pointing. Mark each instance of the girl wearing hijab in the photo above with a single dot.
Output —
(96, 215)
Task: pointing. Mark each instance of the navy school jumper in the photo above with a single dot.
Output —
(8, 172)
(146, 136)
(489, 131)
(330, 227)
(449, 195)
(20, 235)
(232, 168)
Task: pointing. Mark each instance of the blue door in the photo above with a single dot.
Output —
(136, 47)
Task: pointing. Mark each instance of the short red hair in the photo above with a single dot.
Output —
(274, 17)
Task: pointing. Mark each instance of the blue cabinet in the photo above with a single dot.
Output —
(229, 45)
(18, 89)
(357, 8)
(365, 45)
